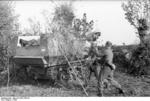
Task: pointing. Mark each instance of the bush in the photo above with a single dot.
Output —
(7, 30)
(120, 60)
(140, 61)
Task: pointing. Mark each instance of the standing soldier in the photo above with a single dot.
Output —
(107, 70)
(93, 53)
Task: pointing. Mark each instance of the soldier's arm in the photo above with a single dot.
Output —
(111, 65)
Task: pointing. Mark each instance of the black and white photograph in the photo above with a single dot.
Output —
(74, 48)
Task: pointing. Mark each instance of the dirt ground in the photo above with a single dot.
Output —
(131, 85)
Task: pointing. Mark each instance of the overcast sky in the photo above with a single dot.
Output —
(108, 17)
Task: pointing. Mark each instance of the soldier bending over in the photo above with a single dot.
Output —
(107, 70)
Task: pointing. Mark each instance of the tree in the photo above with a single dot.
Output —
(35, 26)
(82, 27)
(137, 13)
(8, 27)
(61, 26)
(69, 30)
(67, 38)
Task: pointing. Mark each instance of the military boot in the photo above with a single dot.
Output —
(121, 91)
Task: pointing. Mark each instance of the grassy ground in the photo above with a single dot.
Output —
(132, 86)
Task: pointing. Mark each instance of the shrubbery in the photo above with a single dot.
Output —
(7, 30)
(137, 13)
(139, 62)
(119, 58)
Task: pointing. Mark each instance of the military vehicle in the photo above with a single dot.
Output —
(36, 57)
(31, 58)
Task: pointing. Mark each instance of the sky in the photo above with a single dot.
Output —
(108, 17)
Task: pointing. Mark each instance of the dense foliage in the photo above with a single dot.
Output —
(7, 30)
(137, 13)
(69, 31)
(8, 26)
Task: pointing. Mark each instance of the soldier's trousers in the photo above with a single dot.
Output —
(106, 76)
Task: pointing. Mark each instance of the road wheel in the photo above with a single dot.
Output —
(63, 76)
(52, 73)
(21, 73)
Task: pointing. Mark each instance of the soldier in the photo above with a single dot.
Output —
(93, 53)
(107, 70)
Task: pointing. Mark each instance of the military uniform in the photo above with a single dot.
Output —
(93, 54)
(106, 72)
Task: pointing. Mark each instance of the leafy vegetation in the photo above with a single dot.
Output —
(69, 33)
(137, 13)
(8, 27)
(69, 30)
